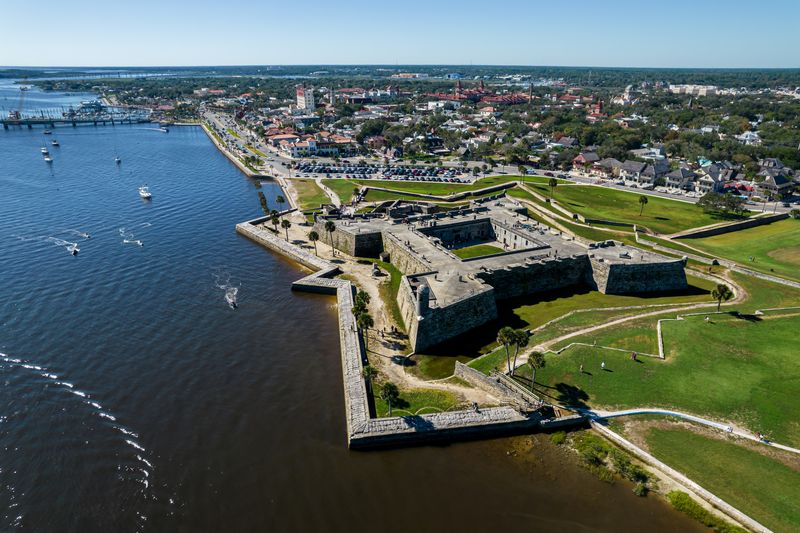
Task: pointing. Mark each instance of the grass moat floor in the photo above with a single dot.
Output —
(774, 248)
(740, 369)
(726, 466)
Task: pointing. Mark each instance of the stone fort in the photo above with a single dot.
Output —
(442, 295)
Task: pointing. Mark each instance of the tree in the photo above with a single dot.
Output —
(364, 322)
(369, 374)
(521, 338)
(263, 201)
(285, 224)
(330, 227)
(642, 202)
(552, 183)
(535, 361)
(721, 293)
(507, 337)
(281, 200)
(389, 394)
(275, 219)
(313, 236)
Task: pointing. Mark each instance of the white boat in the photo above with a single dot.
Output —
(44, 150)
(144, 192)
(55, 142)
(48, 159)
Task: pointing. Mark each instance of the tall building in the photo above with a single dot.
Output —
(305, 97)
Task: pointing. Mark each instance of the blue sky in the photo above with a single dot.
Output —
(669, 33)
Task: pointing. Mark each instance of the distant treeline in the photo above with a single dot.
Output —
(584, 76)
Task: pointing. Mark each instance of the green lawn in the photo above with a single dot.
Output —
(738, 369)
(532, 312)
(660, 214)
(763, 488)
(343, 188)
(310, 196)
(478, 250)
(417, 402)
(230, 131)
(775, 247)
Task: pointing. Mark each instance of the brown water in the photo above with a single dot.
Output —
(132, 398)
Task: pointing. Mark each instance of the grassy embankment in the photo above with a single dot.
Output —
(725, 468)
(233, 133)
(660, 214)
(309, 194)
(775, 247)
(534, 311)
(731, 368)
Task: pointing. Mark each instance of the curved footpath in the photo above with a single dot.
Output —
(727, 428)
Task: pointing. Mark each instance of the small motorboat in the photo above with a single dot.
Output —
(48, 132)
(44, 150)
(144, 192)
(117, 160)
(48, 159)
(55, 142)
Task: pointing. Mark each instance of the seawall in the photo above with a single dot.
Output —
(363, 431)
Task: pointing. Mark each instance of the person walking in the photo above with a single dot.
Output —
(603, 365)
(581, 370)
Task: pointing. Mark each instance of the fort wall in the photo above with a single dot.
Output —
(624, 278)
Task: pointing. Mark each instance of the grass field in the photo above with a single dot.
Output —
(416, 402)
(479, 250)
(310, 196)
(660, 214)
(762, 487)
(737, 369)
(775, 247)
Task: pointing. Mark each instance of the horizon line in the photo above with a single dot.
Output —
(395, 66)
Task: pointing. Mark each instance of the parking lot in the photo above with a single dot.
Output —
(385, 172)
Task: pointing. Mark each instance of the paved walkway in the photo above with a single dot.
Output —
(727, 428)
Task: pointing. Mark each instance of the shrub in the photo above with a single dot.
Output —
(640, 489)
(685, 504)
(559, 437)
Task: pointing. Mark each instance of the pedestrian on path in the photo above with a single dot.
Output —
(581, 368)
(603, 365)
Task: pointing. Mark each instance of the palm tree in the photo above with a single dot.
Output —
(281, 200)
(369, 374)
(389, 394)
(364, 322)
(520, 341)
(285, 224)
(363, 296)
(507, 336)
(313, 236)
(535, 360)
(721, 293)
(642, 202)
(275, 219)
(330, 227)
(552, 183)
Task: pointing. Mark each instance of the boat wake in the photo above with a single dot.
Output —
(71, 247)
(141, 473)
(223, 281)
(129, 237)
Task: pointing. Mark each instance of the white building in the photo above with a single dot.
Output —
(305, 98)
